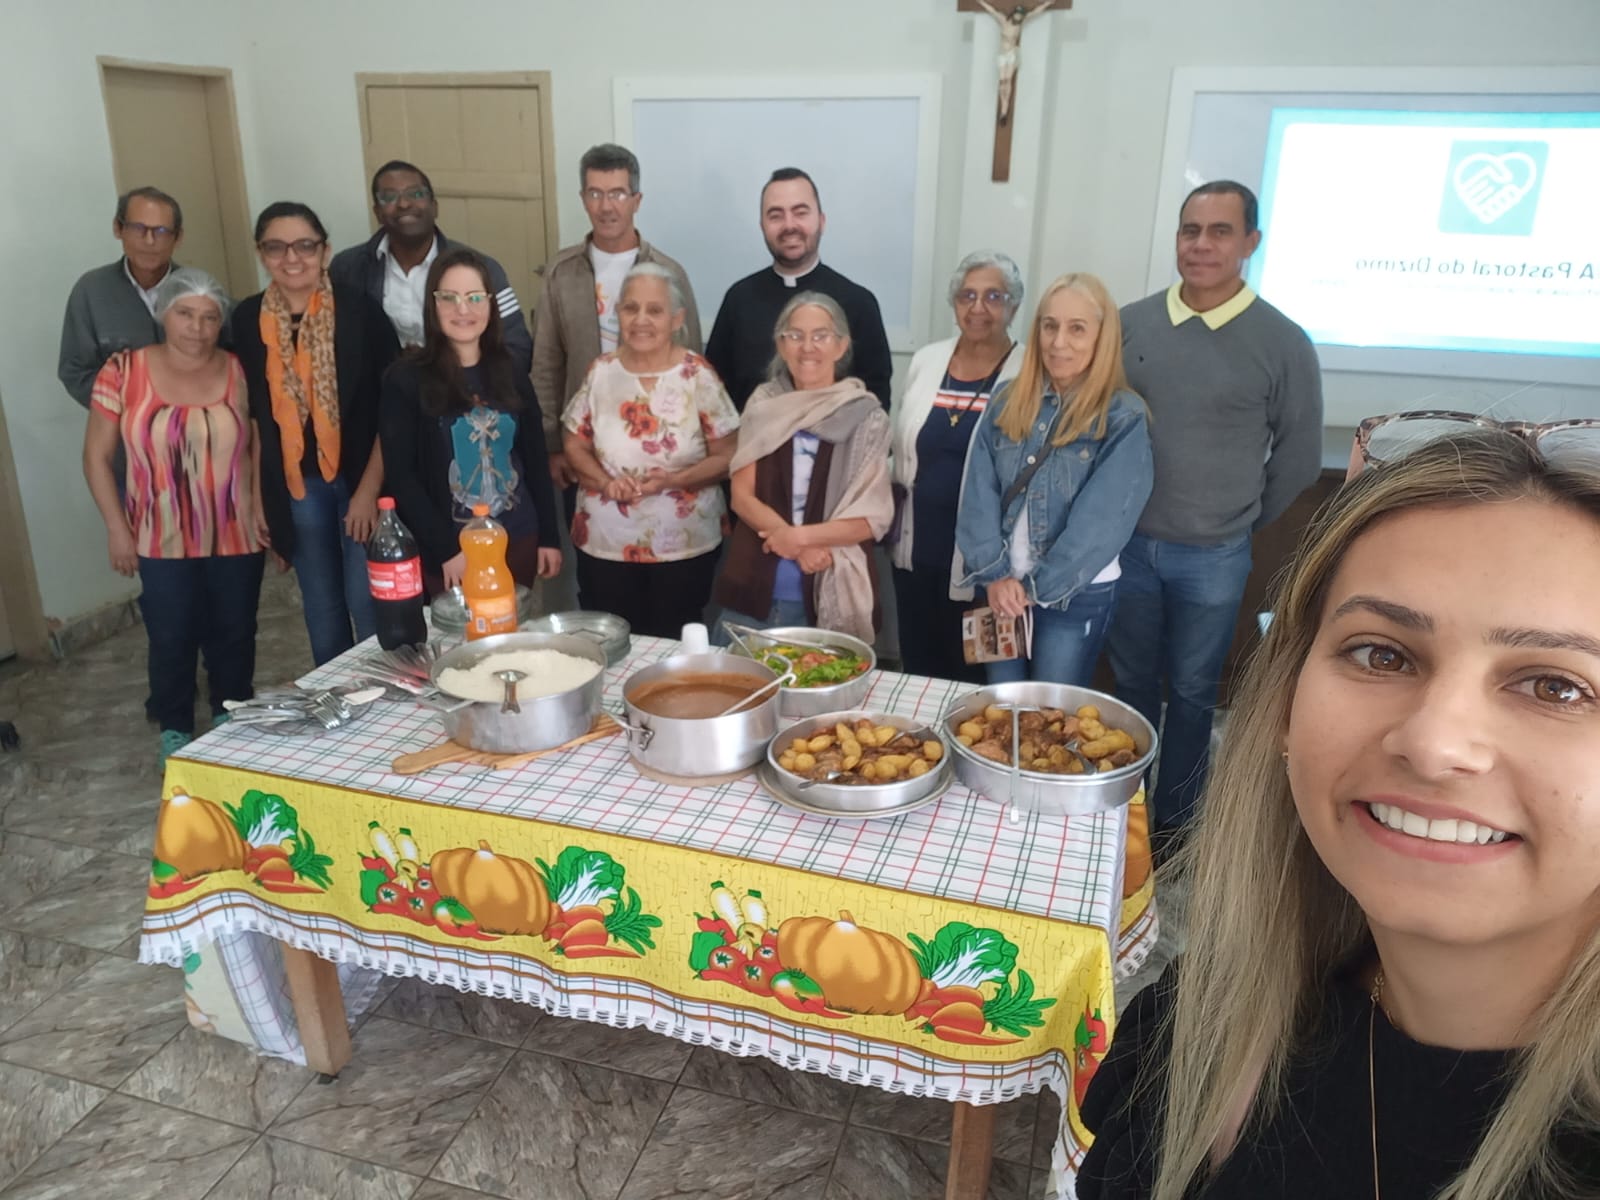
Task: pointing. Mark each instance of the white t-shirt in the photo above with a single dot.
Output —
(609, 272)
(402, 292)
(1022, 554)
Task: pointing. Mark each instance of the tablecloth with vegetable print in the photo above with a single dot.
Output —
(948, 953)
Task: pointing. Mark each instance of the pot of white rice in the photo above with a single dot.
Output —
(559, 695)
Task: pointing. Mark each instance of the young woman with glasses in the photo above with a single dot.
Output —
(460, 426)
(314, 354)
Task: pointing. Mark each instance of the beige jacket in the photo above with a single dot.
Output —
(566, 330)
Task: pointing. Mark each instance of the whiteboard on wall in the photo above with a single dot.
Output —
(706, 149)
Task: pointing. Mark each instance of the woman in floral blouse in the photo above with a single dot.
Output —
(649, 435)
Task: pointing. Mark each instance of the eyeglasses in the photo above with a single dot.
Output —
(1387, 439)
(993, 298)
(819, 337)
(416, 195)
(303, 248)
(462, 299)
(153, 233)
(615, 195)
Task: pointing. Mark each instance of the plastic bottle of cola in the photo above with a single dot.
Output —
(394, 576)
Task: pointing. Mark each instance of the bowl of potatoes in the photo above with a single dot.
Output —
(858, 764)
(1050, 746)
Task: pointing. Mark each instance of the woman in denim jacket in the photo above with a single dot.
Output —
(1052, 544)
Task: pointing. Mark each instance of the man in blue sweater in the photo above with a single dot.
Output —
(1235, 396)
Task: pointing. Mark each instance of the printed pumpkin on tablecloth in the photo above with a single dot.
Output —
(962, 986)
(580, 903)
(261, 836)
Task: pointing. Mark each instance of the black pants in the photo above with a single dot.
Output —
(658, 599)
(194, 606)
(930, 626)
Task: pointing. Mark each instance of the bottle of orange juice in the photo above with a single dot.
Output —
(487, 584)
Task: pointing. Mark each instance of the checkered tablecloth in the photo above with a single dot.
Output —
(1050, 886)
(961, 848)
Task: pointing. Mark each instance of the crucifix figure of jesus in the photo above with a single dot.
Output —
(1011, 24)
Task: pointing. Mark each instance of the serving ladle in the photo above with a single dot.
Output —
(510, 678)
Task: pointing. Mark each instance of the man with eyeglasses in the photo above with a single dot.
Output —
(392, 265)
(576, 320)
(1235, 396)
(740, 347)
(112, 308)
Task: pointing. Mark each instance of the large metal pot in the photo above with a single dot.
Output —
(701, 746)
(544, 722)
(1070, 795)
(795, 703)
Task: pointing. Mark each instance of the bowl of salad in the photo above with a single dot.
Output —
(832, 671)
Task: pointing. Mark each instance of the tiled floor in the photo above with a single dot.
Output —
(105, 1090)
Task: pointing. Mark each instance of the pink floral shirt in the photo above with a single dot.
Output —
(636, 428)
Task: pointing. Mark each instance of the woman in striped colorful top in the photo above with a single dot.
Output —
(947, 389)
(187, 525)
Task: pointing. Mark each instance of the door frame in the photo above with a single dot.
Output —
(547, 126)
(227, 152)
(19, 583)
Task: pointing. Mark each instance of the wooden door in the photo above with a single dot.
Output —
(486, 142)
(174, 128)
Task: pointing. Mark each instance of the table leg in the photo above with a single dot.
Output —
(971, 1149)
(318, 1009)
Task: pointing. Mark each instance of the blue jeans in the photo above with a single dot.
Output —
(784, 612)
(195, 605)
(1066, 642)
(1174, 626)
(331, 568)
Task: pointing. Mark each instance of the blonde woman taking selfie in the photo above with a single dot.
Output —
(1392, 981)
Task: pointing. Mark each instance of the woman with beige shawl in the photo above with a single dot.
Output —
(811, 485)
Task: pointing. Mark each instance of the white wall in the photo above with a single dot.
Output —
(1091, 120)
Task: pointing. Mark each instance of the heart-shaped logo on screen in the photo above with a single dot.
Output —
(1491, 185)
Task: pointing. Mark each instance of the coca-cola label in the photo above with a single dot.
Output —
(395, 580)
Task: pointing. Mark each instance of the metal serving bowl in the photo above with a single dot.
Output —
(855, 800)
(449, 609)
(797, 702)
(611, 631)
(697, 747)
(1071, 795)
(543, 722)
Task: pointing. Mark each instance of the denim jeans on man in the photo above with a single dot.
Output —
(192, 606)
(1066, 642)
(1176, 608)
(331, 568)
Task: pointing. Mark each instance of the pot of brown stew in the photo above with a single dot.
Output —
(673, 724)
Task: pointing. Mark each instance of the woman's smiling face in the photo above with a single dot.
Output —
(1444, 742)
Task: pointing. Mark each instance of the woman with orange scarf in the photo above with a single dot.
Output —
(314, 356)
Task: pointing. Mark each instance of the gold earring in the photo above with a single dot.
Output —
(1285, 760)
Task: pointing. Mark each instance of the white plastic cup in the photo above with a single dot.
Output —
(695, 638)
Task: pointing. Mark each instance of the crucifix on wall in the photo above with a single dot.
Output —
(1011, 18)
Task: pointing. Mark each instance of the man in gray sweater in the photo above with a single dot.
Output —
(1235, 396)
(112, 308)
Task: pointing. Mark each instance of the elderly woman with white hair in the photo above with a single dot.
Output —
(649, 435)
(947, 389)
(810, 484)
(180, 411)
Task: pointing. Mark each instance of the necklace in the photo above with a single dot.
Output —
(1372, 1071)
(984, 388)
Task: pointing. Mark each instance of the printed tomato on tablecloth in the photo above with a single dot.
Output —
(963, 986)
(581, 903)
(1089, 1046)
(261, 837)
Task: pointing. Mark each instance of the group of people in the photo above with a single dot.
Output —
(1393, 963)
(1104, 468)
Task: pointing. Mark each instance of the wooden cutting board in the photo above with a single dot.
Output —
(457, 754)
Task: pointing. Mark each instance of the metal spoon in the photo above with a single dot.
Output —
(510, 678)
(786, 677)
